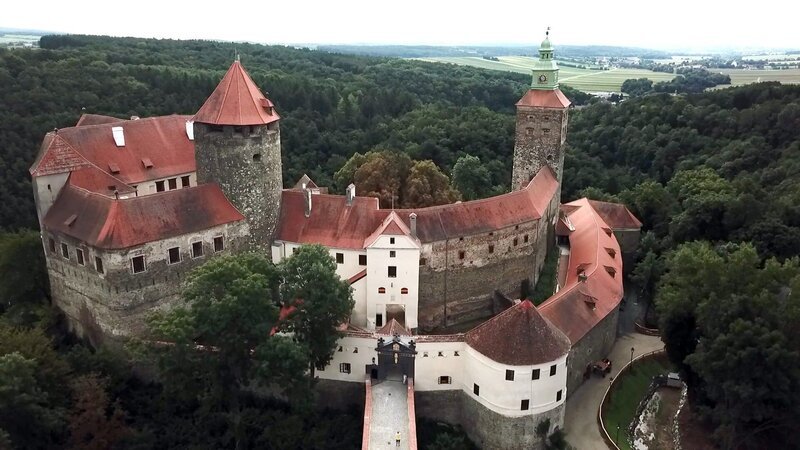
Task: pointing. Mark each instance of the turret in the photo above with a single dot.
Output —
(541, 125)
(238, 146)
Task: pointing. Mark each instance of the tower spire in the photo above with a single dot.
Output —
(545, 70)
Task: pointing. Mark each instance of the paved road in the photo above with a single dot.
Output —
(389, 415)
(580, 421)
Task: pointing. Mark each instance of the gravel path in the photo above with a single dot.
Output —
(389, 415)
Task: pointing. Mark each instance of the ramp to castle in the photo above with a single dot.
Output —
(392, 410)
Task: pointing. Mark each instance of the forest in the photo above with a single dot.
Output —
(712, 175)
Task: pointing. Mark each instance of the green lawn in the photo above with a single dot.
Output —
(626, 395)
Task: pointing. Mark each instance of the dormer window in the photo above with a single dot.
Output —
(147, 163)
(113, 167)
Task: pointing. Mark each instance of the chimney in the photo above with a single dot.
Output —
(351, 194)
(119, 136)
(190, 130)
(582, 277)
(412, 219)
(307, 195)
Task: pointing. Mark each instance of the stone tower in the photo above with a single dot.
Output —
(541, 122)
(238, 145)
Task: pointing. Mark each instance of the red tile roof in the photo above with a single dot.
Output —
(391, 225)
(580, 305)
(334, 224)
(359, 276)
(95, 180)
(236, 101)
(544, 99)
(519, 336)
(96, 119)
(392, 328)
(163, 140)
(616, 215)
(108, 223)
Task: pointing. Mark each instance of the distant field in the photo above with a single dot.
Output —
(6, 39)
(744, 76)
(583, 79)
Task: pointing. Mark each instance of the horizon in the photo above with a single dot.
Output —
(357, 22)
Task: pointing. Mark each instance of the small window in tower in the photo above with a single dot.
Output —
(491, 248)
(173, 183)
(535, 374)
(362, 260)
(79, 255)
(392, 253)
(476, 389)
(516, 241)
(558, 395)
(525, 239)
(509, 375)
(524, 405)
(392, 273)
(185, 181)
(219, 244)
(529, 131)
(404, 291)
(64, 251)
(160, 186)
(461, 254)
(52, 244)
(197, 249)
(391, 240)
(98, 264)
(550, 157)
(423, 261)
(138, 264)
(546, 130)
(340, 258)
(174, 255)
(381, 290)
(552, 370)
(256, 156)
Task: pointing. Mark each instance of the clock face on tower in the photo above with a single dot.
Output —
(542, 78)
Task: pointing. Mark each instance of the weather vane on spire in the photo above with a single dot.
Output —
(547, 33)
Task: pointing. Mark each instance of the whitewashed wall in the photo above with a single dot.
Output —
(358, 360)
(428, 369)
(406, 260)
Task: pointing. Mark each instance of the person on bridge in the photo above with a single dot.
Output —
(397, 439)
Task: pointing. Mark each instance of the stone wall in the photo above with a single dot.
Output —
(539, 141)
(246, 163)
(486, 428)
(593, 346)
(454, 290)
(117, 302)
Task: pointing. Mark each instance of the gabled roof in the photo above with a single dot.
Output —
(544, 99)
(393, 328)
(335, 224)
(581, 304)
(391, 225)
(162, 140)
(93, 179)
(109, 223)
(96, 119)
(616, 215)
(236, 101)
(519, 336)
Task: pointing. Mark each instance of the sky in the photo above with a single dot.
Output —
(667, 25)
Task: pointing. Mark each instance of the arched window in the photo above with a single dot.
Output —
(404, 291)
(381, 290)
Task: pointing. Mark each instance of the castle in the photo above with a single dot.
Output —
(128, 207)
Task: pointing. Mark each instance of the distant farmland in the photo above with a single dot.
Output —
(611, 80)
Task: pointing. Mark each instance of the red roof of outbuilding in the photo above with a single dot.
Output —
(162, 140)
(334, 224)
(544, 99)
(237, 101)
(519, 336)
(616, 215)
(580, 305)
(393, 328)
(108, 223)
(95, 180)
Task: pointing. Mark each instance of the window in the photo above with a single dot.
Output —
(476, 389)
(160, 186)
(535, 374)
(362, 260)
(546, 130)
(340, 258)
(197, 249)
(491, 248)
(529, 131)
(256, 156)
(64, 251)
(344, 367)
(391, 240)
(381, 290)
(98, 264)
(137, 264)
(509, 375)
(516, 241)
(440, 354)
(219, 244)
(392, 272)
(52, 244)
(79, 254)
(173, 183)
(525, 239)
(558, 395)
(461, 254)
(392, 253)
(404, 291)
(445, 380)
(174, 255)
(423, 261)
(185, 181)
(524, 405)
(424, 354)
(552, 370)
(516, 227)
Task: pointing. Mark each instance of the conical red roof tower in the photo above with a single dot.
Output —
(237, 101)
